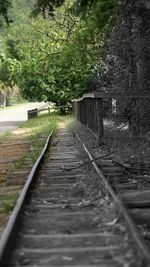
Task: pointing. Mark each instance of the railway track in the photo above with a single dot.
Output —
(132, 185)
(54, 224)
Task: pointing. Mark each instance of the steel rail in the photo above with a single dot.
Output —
(133, 229)
(10, 227)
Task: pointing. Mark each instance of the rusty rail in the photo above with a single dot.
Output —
(11, 227)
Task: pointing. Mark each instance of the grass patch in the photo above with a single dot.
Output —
(43, 124)
(5, 135)
(71, 123)
(21, 163)
(8, 202)
(38, 130)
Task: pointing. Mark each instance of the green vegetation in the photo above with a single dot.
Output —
(38, 130)
(4, 6)
(71, 123)
(55, 50)
(52, 47)
(43, 124)
(34, 134)
(8, 202)
(5, 135)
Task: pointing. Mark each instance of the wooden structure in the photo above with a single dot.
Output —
(89, 109)
(32, 113)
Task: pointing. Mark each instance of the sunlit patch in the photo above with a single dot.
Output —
(62, 125)
(19, 131)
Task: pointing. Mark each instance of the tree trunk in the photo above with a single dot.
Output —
(5, 101)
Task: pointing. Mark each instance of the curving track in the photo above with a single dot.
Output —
(53, 225)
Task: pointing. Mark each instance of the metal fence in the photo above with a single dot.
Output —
(89, 111)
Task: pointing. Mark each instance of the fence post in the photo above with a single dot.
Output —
(99, 114)
(33, 113)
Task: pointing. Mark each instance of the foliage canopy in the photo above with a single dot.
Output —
(51, 56)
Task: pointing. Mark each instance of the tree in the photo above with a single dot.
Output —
(61, 46)
(6, 84)
(4, 6)
(126, 61)
(53, 59)
(46, 7)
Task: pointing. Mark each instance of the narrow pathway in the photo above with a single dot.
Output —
(60, 229)
(12, 117)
